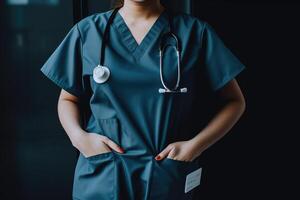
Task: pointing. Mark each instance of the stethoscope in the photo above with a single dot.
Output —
(101, 73)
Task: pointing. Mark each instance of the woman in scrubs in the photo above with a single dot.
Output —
(136, 143)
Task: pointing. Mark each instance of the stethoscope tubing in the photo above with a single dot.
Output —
(161, 52)
(104, 71)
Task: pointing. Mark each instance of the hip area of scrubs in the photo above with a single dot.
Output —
(116, 176)
(134, 174)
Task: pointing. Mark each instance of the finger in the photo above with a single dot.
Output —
(164, 153)
(112, 145)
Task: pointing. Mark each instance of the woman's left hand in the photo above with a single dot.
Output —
(182, 151)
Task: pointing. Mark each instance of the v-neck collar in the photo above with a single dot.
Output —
(137, 50)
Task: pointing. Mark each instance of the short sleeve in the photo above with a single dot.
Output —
(221, 65)
(64, 66)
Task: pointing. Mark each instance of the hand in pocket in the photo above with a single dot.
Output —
(93, 144)
(181, 151)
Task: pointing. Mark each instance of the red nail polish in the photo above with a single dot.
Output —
(158, 158)
(122, 150)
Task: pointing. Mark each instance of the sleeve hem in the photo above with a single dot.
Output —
(229, 78)
(60, 84)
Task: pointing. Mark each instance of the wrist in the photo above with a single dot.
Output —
(198, 144)
(77, 137)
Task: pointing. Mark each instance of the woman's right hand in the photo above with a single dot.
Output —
(90, 144)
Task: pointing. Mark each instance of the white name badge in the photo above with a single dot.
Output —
(192, 180)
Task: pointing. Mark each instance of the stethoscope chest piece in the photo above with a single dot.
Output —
(101, 74)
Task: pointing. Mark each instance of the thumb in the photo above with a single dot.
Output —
(164, 153)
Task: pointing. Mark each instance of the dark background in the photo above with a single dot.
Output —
(256, 160)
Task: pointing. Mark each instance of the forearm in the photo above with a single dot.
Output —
(70, 118)
(221, 123)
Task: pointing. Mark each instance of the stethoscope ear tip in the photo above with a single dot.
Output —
(161, 90)
(183, 89)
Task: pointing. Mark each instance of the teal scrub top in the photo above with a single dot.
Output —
(128, 108)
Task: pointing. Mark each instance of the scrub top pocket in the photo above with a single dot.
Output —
(97, 156)
(94, 177)
(169, 176)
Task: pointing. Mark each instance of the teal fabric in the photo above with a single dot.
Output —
(128, 107)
